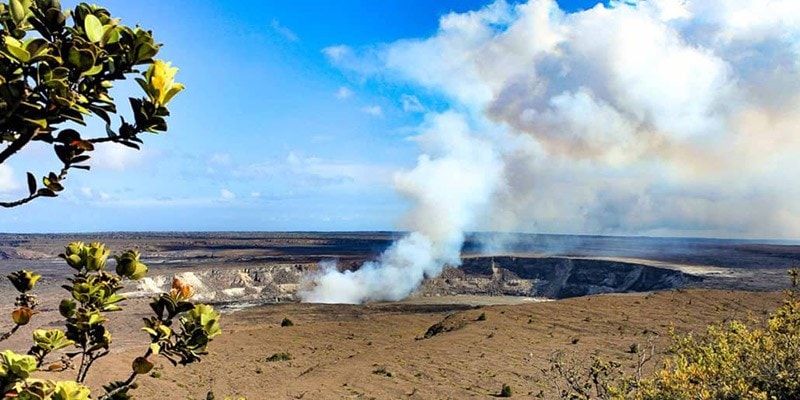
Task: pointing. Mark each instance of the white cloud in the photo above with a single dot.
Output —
(344, 93)
(8, 182)
(220, 159)
(411, 103)
(374, 110)
(337, 53)
(366, 62)
(315, 172)
(638, 117)
(226, 194)
(284, 31)
(115, 157)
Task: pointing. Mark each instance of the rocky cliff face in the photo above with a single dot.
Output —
(554, 277)
(551, 277)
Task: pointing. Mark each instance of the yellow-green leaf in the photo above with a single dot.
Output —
(17, 11)
(18, 52)
(93, 28)
(42, 123)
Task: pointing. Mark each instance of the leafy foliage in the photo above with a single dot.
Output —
(94, 292)
(56, 70)
(730, 361)
(506, 391)
(734, 361)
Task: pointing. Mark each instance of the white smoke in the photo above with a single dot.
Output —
(455, 178)
(660, 117)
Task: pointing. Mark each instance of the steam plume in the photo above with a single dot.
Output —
(455, 178)
(661, 117)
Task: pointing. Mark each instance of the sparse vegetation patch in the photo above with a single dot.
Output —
(283, 356)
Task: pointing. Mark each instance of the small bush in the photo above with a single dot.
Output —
(287, 322)
(279, 357)
(482, 317)
(506, 391)
(732, 360)
(382, 371)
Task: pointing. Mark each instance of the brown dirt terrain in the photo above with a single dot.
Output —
(377, 351)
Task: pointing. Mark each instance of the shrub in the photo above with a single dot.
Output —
(287, 322)
(731, 360)
(279, 357)
(179, 330)
(57, 68)
(736, 361)
(482, 317)
(383, 372)
(506, 391)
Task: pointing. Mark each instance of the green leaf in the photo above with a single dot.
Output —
(18, 365)
(95, 319)
(111, 35)
(93, 71)
(31, 184)
(81, 58)
(67, 308)
(17, 11)
(42, 123)
(71, 390)
(145, 52)
(93, 28)
(19, 53)
(36, 47)
(53, 184)
(176, 88)
(46, 193)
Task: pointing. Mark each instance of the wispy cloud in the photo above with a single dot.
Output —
(287, 33)
(411, 103)
(315, 172)
(344, 93)
(116, 157)
(226, 194)
(367, 61)
(374, 110)
(338, 53)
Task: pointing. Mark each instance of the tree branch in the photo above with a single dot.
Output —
(19, 202)
(17, 145)
(9, 333)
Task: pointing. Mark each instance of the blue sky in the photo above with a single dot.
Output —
(663, 118)
(268, 135)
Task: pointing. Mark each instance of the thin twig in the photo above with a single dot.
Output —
(125, 385)
(9, 333)
(17, 145)
(19, 202)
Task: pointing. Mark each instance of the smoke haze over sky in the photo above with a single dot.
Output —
(655, 117)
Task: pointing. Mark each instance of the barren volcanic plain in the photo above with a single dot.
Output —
(583, 295)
